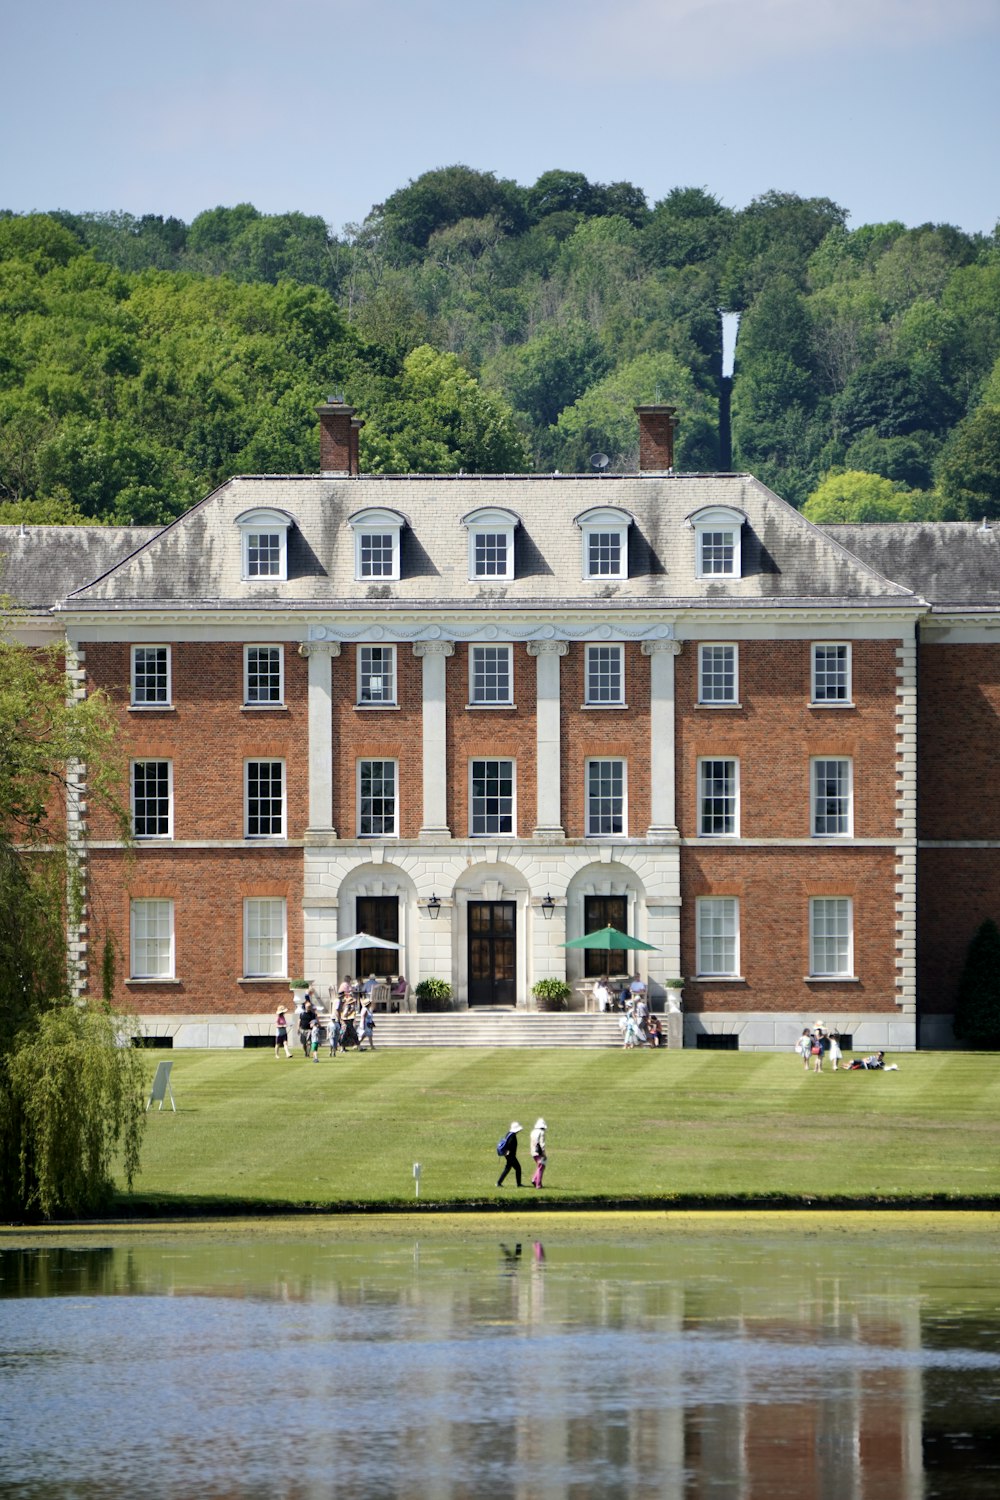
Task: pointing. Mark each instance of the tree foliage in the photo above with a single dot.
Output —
(977, 1007)
(70, 1095)
(143, 360)
(72, 1098)
(852, 495)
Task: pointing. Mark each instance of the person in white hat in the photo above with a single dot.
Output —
(508, 1150)
(538, 1155)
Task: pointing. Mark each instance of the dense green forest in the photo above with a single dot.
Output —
(483, 326)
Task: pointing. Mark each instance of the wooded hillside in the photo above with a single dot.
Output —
(480, 325)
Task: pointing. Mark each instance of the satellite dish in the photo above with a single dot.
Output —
(599, 461)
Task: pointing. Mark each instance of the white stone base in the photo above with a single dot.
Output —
(780, 1031)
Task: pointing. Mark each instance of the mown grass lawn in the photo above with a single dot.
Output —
(254, 1130)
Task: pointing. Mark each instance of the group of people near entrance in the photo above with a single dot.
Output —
(639, 1027)
(507, 1149)
(816, 1044)
(349, 1024)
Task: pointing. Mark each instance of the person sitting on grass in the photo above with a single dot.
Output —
(866, 1064)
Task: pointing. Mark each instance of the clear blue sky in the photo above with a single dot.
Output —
(891, 107)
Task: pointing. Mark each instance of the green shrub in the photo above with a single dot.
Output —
(551, 994)
(433, 995)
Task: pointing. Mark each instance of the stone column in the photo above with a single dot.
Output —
(663, 808)
(320, 655)
(548, 812)
(435, 736)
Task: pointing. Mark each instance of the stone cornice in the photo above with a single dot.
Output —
(512, 629)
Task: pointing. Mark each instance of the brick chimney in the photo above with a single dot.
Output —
(656, 438)
(338, 437)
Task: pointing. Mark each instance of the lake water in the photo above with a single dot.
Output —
(512, 1358)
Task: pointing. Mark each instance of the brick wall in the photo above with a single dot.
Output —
(491, 733)
(958, 737)
(774, 734)
(604, 732)
(774, 887)
(207, 887)
(957, 890)
(377, 733)
(208, 734)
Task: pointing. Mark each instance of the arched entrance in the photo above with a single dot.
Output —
(491, 906)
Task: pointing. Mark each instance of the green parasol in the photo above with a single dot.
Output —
(608, 937)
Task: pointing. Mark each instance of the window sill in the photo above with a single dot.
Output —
(600, 707)
(151, 981)
(833, 704)
(264, 979)
(719, 979)
(492, 835)
(510, 707)
(366, 708)
(830, 979)
(714, 706)
(151, 708)
(143, 839)
(264, 708)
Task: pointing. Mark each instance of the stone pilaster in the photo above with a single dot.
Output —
(662, 774)
(547, 731)
(320, 656)
(435, 736)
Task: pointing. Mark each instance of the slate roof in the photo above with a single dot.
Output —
(196, 561)
(952, 564)
(40, 565)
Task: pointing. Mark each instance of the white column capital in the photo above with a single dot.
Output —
(434, 648)
(548, 648)
(654, 648)
(319, 648)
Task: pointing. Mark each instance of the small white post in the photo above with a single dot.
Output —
(416, 1177)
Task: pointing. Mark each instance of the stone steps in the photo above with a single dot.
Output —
(476, 1028)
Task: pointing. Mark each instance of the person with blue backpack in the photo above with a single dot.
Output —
(507, 1148)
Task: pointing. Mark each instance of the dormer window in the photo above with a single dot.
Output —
(264, 544)
(491, 543)
(605, 542)
(376, 545)
(718, 533)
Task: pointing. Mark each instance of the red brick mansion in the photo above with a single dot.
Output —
(479, 716)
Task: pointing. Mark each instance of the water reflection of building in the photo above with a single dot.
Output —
(697, 1367)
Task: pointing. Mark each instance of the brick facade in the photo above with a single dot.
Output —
(909, 854)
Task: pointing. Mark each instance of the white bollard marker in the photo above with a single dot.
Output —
(416, 1176)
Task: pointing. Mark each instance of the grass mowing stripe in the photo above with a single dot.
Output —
(621, 1126)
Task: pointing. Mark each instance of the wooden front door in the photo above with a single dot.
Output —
(492, 952)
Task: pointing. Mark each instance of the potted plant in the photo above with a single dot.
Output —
(551, 994)
(433, 995)
(298, 984)
(673, 988)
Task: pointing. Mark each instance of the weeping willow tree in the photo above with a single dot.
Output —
(71, 1094)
